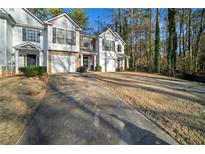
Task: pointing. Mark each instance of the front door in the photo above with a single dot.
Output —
(85, 61)
(31, 60)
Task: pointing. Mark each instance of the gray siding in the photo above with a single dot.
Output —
(3, 42)
(10, 56)
(24, 18)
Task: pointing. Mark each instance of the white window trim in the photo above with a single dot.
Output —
(36, 35)
(112, 48)
(64, 31)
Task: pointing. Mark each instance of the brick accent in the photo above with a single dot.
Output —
(3, 70)
(6, 72)
(91, 43)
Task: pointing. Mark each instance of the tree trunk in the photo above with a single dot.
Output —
(201, 29)
(172, 41)
(132, 37)
(180, 32)
(157, 43)
(174, 44)
(189, 38)
(150, 38)
(190, 30)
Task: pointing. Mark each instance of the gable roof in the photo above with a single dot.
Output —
(3, 11)
(119, 37)
(114, 33)
(4, 14)
(29, 12)
(28, 46)
(67, 16)
(107, 30)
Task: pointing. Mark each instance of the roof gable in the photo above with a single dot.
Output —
(29, 12)
(24, 17)
(108, 34)
(65, 16)
(115, 34)
(3, 11)
(119, 37)
(28, 46)
(8, 17)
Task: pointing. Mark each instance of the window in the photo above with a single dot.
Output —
(93, 44)
(108, 45)
(54, 35)
(32, 35)
(62, 36)
(119, 48)
(70, 37)
(86, 42)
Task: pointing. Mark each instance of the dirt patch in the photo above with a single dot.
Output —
(33, 93)
(19, 98)
(164, 100)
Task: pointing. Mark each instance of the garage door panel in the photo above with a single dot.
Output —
(72, 63)
(111, 66)
(60, 64)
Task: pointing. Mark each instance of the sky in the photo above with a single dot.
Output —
(93, 13)
(105, 16)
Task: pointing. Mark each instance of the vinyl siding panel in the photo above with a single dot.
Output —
(3, 42)
(63, 23)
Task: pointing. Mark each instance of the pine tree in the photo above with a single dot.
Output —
(172, 41)
(157, 43)
(45, 13)
(198, 37)
(80, 17)
(125, 29)
(150, 37)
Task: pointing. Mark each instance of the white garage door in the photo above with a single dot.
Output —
(72, 63)
(60, 63)
(111, 65)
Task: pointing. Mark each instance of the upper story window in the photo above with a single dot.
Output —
(119, 48)
(108, 45)
(86, 42)
(93, 44)
(32, 35)
(62, 36)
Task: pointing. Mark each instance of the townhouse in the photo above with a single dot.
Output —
(56, 43)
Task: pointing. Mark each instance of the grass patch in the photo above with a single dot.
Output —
(165, 101)
(19, 98)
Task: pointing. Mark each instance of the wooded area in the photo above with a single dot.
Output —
(167, 41)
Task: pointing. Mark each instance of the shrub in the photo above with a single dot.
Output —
(119, 69)
(131, 69)
(82, 69)
(98, 68)
(141, 68)
(31, 71)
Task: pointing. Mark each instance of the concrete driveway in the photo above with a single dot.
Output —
(80, 110)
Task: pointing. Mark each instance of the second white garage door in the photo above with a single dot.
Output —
(60, 64)
(111, 65)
